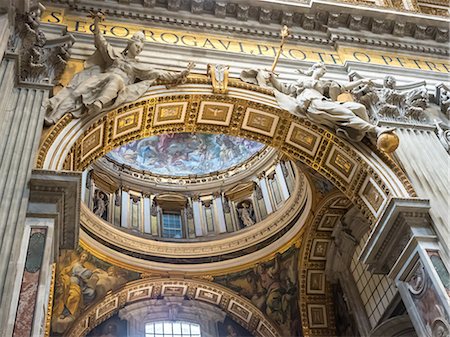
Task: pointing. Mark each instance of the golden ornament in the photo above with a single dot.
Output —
(388, 142)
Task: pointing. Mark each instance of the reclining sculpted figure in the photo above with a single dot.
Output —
(316, 99)
(109, 79)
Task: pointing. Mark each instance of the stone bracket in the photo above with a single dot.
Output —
(402, 221)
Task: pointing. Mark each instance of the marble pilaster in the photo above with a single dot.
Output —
(401, 245)
(427, 165)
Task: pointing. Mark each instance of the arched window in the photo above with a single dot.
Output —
(172, 329)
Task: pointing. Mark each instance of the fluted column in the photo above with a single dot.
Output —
(196, 210)
(218, 208)
(125, 209)
(282, 181)
(21, 117)
(427, 165)
(266, 195)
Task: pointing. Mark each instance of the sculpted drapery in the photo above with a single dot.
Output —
(316, 99)
(109, 80)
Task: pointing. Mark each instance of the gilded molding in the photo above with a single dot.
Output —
(339, 161)
(238, 307)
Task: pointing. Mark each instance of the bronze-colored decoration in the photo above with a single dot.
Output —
(345, 97)
(388, 142)
(219, 77)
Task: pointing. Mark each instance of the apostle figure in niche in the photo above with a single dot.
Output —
(316, 99)
(109, 80)
(101, 205)
(246, 214)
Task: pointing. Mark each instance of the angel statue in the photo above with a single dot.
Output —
(316, 99)
(109, 79)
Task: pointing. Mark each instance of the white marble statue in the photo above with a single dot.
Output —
(245, 213)
(316, 99)
(109, 79)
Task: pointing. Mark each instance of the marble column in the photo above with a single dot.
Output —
(21, 117)
(404, 246)
(218, 208)
(196, 210)
(125, 209)
(282, 181)
(266, 195)
(147, 215)
(427, 165)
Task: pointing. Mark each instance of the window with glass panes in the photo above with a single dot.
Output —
(172, 329)
(172, 226)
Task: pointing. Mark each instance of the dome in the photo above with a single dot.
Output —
(185, 154)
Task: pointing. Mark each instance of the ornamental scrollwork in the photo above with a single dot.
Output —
(42, 60)
(389, 102)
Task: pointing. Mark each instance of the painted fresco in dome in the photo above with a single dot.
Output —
(184, 154)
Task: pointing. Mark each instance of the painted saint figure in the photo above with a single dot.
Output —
(316, 99)
(109, 80)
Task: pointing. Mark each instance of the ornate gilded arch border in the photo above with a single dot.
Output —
(316, 300)
(363, 174)
(238, 307)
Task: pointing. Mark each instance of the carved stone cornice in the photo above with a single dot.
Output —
(41, 60)
(57, 195)
(313, 16)
(403, 220)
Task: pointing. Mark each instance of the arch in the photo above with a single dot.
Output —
(398, 326)
(316, 299)
(239, 308)
(363, 174)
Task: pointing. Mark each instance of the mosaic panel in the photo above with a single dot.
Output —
(139, 294)
(317, 316)
(319, 249)
(341, 164)
(315, 282)
(208, 295)
(240, 311)
(328, 222)
(173, 290)
(373, 196)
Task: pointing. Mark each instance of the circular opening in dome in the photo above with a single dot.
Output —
(185, 154)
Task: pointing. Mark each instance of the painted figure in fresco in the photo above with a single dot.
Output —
(317, 100)
(109, 80)
(78, 284)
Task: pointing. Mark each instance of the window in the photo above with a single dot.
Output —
(172, 329)
(172, 226)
